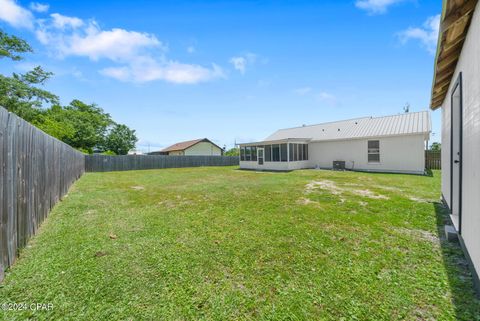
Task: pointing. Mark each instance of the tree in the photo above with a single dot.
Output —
(233, 152)
(90, 123)
(436, 147)
(20, 93)
(120, 139)
(83, 126)
(11, 46)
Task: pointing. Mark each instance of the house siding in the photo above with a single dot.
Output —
(203, 148)
(399, 154)
(469, 65)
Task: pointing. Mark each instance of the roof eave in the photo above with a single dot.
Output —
(454, 27)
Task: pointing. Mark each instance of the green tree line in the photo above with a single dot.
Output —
(83, 126)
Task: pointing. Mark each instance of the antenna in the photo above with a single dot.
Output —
(406, 108)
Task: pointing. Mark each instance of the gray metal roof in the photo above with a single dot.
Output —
(401, 124)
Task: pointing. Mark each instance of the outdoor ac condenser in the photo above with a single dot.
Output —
(339, 165)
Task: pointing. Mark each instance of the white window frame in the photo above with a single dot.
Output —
(373, 151)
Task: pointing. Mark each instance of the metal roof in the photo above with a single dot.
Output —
(401, 124)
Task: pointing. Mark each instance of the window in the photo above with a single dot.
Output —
(295, 152)
(247, 153)
(254, 153)
(275, 153)
(283, 152)
(300, 152)
(242, 153)
(374, 151)
(268, 153)
(290, 152)
(305, 152)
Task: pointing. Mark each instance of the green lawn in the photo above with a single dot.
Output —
(224, 244)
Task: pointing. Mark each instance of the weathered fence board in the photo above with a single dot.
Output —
(105, 163)
(36, 170)
(433, 159)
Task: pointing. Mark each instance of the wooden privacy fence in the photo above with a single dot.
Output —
(433, 159)
(105, 163)
(36, 170)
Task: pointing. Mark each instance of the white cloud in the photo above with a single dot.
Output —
(137, 56)
(119, 73)
(302, 91)
(376, 6)
(240, 63)
(61, 22)
(39, 7)
(327, 98)
(190, 74)
(116, 44)
(427, 35)
(15, 15)
(144, 70)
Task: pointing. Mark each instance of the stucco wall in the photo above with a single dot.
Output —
(469, 65)
(403, 154)
(176, 153)
(203, 148)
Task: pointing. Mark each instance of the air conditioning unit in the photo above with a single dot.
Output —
(338, 165)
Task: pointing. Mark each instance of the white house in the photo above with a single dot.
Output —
(456, 89)
(196, 147)
(382, 144)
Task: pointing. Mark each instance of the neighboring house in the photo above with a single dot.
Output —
(135, 152)
(383, 144)
(456, 89)
(197, 147)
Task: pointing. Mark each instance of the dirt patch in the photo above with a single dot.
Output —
(306, 201)
(363, 203)
(368, 193)
(179, 201)
(419, 200)
(100, 254)
(351, 184)
(138, 188)
(421, 235)
(388, 188)
(338, 190)
(325, 185)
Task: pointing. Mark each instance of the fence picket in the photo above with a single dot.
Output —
(36, 170)
(433, 159)
(108, 163)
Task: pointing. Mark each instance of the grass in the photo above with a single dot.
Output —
(225, 244)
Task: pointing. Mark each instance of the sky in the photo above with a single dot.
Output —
(231, 71)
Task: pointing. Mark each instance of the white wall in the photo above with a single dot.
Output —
(271, 166)
(469, 65)
(403, 154)
(175, 153)
(398, 154)
(203, 148)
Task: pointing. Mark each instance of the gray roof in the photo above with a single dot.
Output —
(401, 124)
